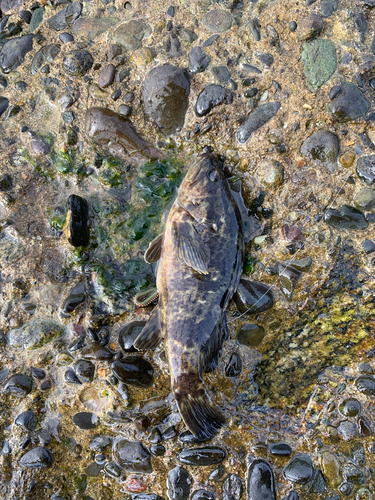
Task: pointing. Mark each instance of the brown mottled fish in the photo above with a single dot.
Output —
(200, 256)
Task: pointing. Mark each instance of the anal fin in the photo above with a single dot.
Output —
(150, 337)
(209, 355)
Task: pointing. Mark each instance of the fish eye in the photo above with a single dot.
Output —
(213, 175)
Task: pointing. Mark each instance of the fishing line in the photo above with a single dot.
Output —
(294, 256)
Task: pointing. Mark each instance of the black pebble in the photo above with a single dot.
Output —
(292, 26)
(38, 458)
(171, 11)
(25, 15)
(66, 37)
(368, 246)
(128, 334)
(178, 484)
(71, 377)
(85, 420)
(27, 420)
(78, 231)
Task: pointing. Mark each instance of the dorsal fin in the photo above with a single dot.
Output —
(190, 246)
(154, 249)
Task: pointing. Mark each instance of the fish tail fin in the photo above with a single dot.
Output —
(198, 411)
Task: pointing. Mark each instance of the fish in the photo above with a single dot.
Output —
(199, 259)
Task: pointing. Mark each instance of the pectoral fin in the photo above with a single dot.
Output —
(150, 337)
(154, 249)
(190, 247)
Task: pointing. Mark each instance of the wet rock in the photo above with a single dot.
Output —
(188, 437)
(234, 365)
(178, 484)
(92, 27)
(346, 217)
(95, 351)
(366, 169)
(365, 198)
(352, 474)
(27, 420)
(100, 442)
(107, 75)
(77, 63)
(290, 272)
(281, 449)
(270, 173)
(366, 385)
(128, 334)
(198, 60)
(134, 370)
(39, 146)
(35, 334)
(37, 458)
(85, 370)
(117, 134)
(211, 96)
(253, 297)
(158, 450)
(348, 104)
(71, 377)
(76, 226)
(13, 52)
(19, 385)
(350, 407)
(319, 62)
(47, 54)
(206, 455)
(66, 37)
(260, 481)
(165, 95)
(217, 473)
(131, 34)
(358, 454)
(318, 484)
(132, 456)
(299, 470)
(76, 297)
(4, 103)
(322, 147)
(232, 487)
(6, 183)
(202, 495)
(255, 120)
(217, 21)
(38, 373)
(368, 246)
(112, 469)
(251, 335)
(85, 420)
(66, 17)
(309, 27)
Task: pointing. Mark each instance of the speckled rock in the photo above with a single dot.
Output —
(131, 34)
(92, 27)
(348, 104)
(132, 456)
(13, 52)
(364, 199)
(211, 96)
(217, 21)
(366, 169)
(260, 481)
(331, 468)
(232, 488)
(256, 119)
(35, 334)
(47, 54)
(309, 27)
(77, 63)
(319, 62)
(270, 173)
(322, 147)
(37, 458)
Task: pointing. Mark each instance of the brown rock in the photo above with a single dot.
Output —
(106, 76)
(309, 27)
(291, 233)
(114, 50)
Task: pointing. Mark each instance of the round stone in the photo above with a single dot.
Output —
(107, 75)
(299, 470)
(203, 456)
(77, 62)
(350, 407)
(366, 169)
(251, 335)
(322, 147)
(217, 21)
(270, 173)
(347, 159)
(366, 385)
(260, 481)
(18, 385)
(309, 27)
(85, 420)
(38, 458)
(347, 430)
(132, 456)
(281, 449)
(134, 370)
(331, 468)
(27, 420)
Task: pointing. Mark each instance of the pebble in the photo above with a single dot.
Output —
(347, 430)
(96, 351)
(158, 450)
(112, 469)
(309, 27)
(178, 484)
(217, 21)
(232, 488)
(128, 334)
(143, 56)
(366, 169)
(270, 173)
(234, 365)
(100, 442)
(132, 456)
(202, 495)
(348, 104)
(85, 370)
(299, 470)
(165, 94)
(37, 458)
(71, 377)
(211, 96)
(253, 297)
(36, 18)
(366, 385)
(254, 27)
(368, 246)
(92, 27)
(198, 60)
(203, 456)
(347, 159)
(14, 51)
(76, 297)
(260, 481)
(281, 449)
(256, 119)
(47, 54)
(18, 385)
(350, 407)
(6, 183)
(85, 420)
(27, 420)
(66, 17)
(107, 75)
(346, 217)
(131, 34)
(319, 62)
(328, 7)
(134, 371)
(250, 335)
(77, 63)
(322, 147)
(66, 37)
(352, 474)
(217, 473)
(318, 483)
(266, 59)
(38, 373)
(76, 226)
(4, 103)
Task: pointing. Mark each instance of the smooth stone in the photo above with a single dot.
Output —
(25, 15)
(331, 468)
(260, 481)
(117, 134)
(366, 385)
(77, 63)
(143, 56)
(217, 21)
(318, 483)
(299, 470)
(319, 62)
(368, 246)
(36, 18)
(85, 420)
(322, 147)
(309, 27)
(178, 484)
(131, 34)
(203, 456)
(281, 449)
(107, 75)
(290, 272)
(256, 119)
(132, 456)
(234, 365)
(158, 450)
(134, 371)
(6, 183)
(8, 5)
(128, 334)
(352, 474)
(358, 454)
(92, 27)
(85, 370)
(254, 27)
(348, 104)
(365, 198)
(4, 103)
(188, 437)
(93, 470)
(27, 420)
(232, 488)
(76, 297)
(13, 52)
(202, 495)
(350, 407)
(76, 226)
(266, 59)
(19, 385)
(346, 217)
(46, 54)
(112, 469)
(251, 335)
(165, 95)
(66, 17)
(221, 73)
(198, 60)
(37, 458)
(71, 377)
(253, 297)
(270, 173)
(211, 96)
(328, 7)
(100, 442)
(366, 169)
(95, 351)
(36, 333)
(39, 146)
(66, 37)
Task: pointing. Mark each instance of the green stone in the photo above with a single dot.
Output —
(91, 27)
(365, 199)
(35, 334)
(36, 18)
(10, 250)
(319, 62)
